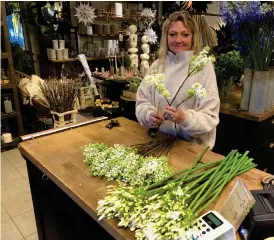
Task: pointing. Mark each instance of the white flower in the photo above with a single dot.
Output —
(152, 35)
(147, 12)
(85, 13)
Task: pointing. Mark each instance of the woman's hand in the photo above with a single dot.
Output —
(155, 119)
(175, 115)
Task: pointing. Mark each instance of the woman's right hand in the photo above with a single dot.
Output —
(155, 119)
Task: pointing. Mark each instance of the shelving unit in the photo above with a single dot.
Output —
(76, 59)
(16, 125)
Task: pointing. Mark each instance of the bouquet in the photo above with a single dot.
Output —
(253, 27)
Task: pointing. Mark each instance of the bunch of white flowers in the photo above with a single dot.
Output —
(124, 164)
(156, 79)
(196, 89)
(198, 62)
(164, 216)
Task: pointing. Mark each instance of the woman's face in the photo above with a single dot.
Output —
(179, 38)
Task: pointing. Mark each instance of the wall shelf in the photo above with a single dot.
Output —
(8, 115)
(7, 86)
(76, 59)
(14, 143)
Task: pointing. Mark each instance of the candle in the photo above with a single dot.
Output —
(7, 138)
(8, 106)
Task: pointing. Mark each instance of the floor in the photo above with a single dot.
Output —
(17, 216)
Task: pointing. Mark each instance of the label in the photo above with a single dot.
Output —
(238, 204)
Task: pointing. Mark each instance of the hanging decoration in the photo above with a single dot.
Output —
(148, 16)
(85, 13)
(152, 34)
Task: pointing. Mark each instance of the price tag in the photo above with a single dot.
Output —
(238, 204)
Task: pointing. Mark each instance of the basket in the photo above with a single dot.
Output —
(40, 106)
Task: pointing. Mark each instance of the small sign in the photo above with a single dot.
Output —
(238, 204)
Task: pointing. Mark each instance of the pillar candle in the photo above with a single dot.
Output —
(7, 138)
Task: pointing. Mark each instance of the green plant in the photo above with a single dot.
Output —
(229, 65)
(134, 83)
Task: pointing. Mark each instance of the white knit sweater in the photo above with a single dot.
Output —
(202, 114)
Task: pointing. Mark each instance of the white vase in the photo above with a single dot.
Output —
(55, 44)
(247, 82)
(270, 91)
(61, 44)
(258, 92)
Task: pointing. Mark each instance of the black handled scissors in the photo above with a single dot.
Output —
(268, 182)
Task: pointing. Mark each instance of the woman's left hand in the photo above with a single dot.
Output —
(176, 115)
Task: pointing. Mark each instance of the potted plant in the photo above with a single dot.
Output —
(106, 107)
(133, 84)
(228, 69)
(60, 96)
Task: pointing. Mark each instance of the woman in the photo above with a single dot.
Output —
(196, 119)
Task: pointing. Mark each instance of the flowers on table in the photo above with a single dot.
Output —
(168, 208)
(124, 164)
(106, 104)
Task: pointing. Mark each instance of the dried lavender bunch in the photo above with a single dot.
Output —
(61, 94)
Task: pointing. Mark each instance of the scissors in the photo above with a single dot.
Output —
(268, 182)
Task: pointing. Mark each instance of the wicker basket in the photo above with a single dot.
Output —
(41, 108)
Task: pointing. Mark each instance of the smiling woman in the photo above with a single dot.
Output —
(193, 119)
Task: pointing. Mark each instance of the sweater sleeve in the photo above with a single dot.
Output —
(144, 103)
(205, 115)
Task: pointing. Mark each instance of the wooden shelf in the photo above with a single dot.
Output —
(127, 99)
(76, 59)
(231, 107)
(4, 55)
(7, 86)
(8, 115)
(102, 35)
(14, 143)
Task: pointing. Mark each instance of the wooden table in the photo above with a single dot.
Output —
(58, 159)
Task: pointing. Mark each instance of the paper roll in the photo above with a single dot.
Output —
(107, 29)
(119, 9)
(7, 138)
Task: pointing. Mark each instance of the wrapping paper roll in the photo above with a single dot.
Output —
(119, 9)
(100, 29)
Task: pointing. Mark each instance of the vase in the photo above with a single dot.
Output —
(247, 82)
(258, 92)
(270, 91)
(225, 88)
(62, 119)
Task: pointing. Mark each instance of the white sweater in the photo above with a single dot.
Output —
(202, 114)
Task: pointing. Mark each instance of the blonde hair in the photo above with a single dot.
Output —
(189, 23)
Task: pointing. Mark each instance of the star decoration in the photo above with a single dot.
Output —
(150, 32)
(85, 13)
(147, 12)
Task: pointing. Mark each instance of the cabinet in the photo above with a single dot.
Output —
(11, 121)
(243, 131)
(57, 216)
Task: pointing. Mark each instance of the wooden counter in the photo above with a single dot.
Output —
(231, 106)
(59, 156)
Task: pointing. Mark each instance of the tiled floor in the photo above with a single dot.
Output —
(17, 216)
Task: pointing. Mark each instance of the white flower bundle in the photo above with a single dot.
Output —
(124, 164)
